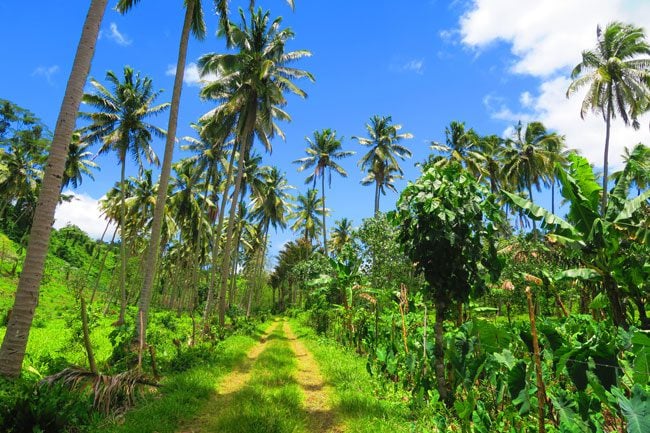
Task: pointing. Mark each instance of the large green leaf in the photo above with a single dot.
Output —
(582, 192)
(631, 207)
(550, 220)
(636, 409)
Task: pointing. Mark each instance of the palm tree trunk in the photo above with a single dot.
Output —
(246, 139)
(376, 198)
(530, 195)
(161, 198)
(324, 226)
(216, 241)
(120, 319)
(553, 194)
(14, 343)
(605, 159)
(101, 268)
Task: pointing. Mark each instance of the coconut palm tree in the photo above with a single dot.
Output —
(192, 22)
(616, 77)
(79, 162)
(383, 140)
(341, 234)
(306, 215)
(462, 146)
(637, 162)
(120, 124)
(323, 151)
(251, 86)
(14, 343)
(224, 20)
(383, 177)
(527, 162)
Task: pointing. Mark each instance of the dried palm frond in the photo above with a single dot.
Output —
(111, 393)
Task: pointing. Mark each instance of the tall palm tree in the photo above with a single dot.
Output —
(224, 20)
(383, 140)
(461, 145)
(616, 78)
(14, 343)
(79, 162)
(251, 86)
(489, 150)
(192, 22)
(120, 124)
(323, 151)
(527, 162)
(341, 234)
(383, 177)
(306, 215)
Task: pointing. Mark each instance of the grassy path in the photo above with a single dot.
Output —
(277, 389)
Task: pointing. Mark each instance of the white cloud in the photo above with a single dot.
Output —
(546, 38)
(415, 65)
(117, 36)
(82, 211)
(46, 71)
(192, 76)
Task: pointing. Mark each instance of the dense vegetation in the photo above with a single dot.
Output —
(472, 307)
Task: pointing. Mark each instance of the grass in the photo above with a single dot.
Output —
(182, 394)
(358, 399)
(268, 402)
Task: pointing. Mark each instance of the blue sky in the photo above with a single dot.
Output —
(425, 62)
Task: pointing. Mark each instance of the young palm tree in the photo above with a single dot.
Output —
(616, 77)
(79, 162)
(383, 140)
(527, 162)
(120, 124)
(193, 22)
(14, 343)
(306, 215)
(323, 152)
(341, 234)
(251, 86)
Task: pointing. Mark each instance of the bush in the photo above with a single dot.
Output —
(47, 409)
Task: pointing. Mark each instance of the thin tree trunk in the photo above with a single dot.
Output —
(123, 259)
(86, 335)
(376, 198)
(101, 267)
(324, 226)
(530, 195)
(605, 159)
(216, 241)
(246, 142)
(553, 194)
(161, 198)
(14, 343)
(439, 353)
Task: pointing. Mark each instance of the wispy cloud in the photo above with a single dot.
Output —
(415, 65)
(117, 36)
(46, 71)
(192, 77)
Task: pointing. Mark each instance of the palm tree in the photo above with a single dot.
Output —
(383, 140)
(306, 215)
(79, 162)
(192, 22)
(251, 86)
(224, 22)
(383, 177)
(489, 150)
(527, 162)
(617, 80)
(341, 235)
(462, 146)
(323, 152)
(14, 343)
(120, 125)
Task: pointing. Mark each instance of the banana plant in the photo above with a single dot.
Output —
(602, 240)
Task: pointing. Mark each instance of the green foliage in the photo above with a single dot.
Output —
(446, 228)
(47, 409)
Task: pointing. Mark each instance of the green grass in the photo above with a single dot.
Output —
(270, 402)
(182, 394)
(363, 405)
